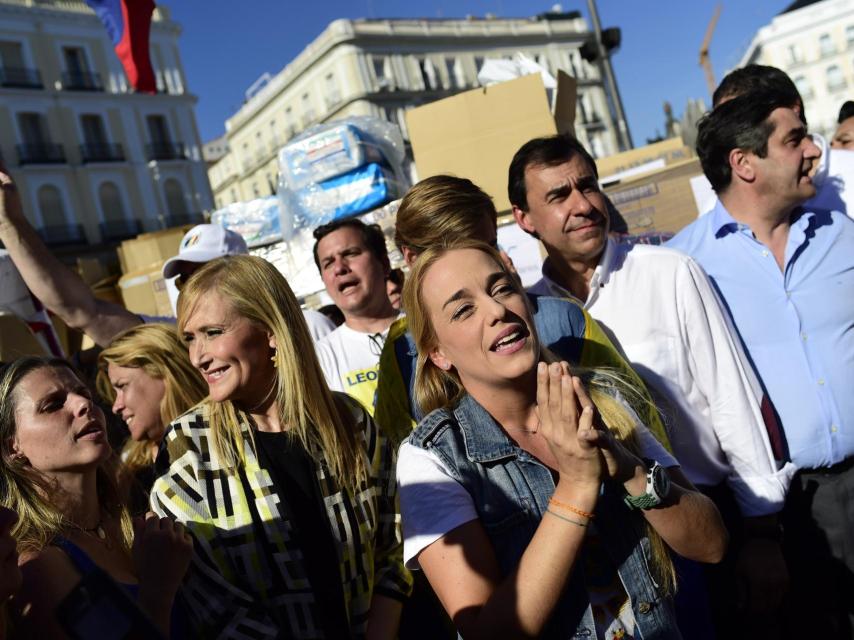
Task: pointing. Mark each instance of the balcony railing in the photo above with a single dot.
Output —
(40, 153)
(82, 81)
(20, 78)
(166, 151)
(102, 152)
(120, 229)
(62, 234)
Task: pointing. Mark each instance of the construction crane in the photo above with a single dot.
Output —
(705, 62)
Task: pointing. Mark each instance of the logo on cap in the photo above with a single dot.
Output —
(193, 239)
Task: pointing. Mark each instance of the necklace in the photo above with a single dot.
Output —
(97, 531)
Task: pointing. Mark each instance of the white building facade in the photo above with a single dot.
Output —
(94, 161)
(384, 67)
(813, 42)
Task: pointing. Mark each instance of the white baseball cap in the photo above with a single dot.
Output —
(203, 243)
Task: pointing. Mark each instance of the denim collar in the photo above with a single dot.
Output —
(484, 440)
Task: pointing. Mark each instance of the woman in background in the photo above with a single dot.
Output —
(147, 375)
(56, 473)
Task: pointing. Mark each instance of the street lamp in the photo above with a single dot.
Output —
(599, 48)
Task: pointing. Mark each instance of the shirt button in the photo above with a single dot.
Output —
(834, 428)
(788, 294)
(803, 336)
(764, 253)
(821, 380)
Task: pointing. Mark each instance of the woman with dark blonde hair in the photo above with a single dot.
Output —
(537, 505)
(56, 473)
(148, 377)
(287, 487)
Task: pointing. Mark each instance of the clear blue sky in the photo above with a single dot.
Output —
(225, 46)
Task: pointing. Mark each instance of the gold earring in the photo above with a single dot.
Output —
(273, 359)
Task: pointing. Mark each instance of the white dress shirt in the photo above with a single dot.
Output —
(660, 309)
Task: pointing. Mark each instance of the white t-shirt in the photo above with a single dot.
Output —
(433, 503)
(350, 361)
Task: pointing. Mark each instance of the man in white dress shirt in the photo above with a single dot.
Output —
(660, 308)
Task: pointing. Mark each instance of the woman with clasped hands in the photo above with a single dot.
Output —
(535, 506)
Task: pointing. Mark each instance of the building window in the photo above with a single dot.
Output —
(456, 80)
(849, 35)
(111, 202)
(93, 129)
(826, 45)
(51, 207)
(33, 129)
(333, 95)
(290, 127)
(835, 79)
(795, 56)
(383, 77)
(428, 73)
(804, 87)
(13, 70)
(176, 203)
(274, 137)
(307, 110)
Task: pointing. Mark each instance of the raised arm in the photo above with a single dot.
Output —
(58, 287)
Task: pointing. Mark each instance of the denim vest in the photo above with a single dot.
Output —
(511, 489)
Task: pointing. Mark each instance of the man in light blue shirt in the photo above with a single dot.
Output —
(787, 277)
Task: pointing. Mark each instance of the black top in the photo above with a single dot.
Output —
(293, 472)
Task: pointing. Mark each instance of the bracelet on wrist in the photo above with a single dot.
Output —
(569, 507)
(565, 519)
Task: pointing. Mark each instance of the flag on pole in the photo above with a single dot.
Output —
(128, 24)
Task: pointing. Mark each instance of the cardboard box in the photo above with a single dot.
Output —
(16, 339)
(475, 134)
(671, 151)
(144, 291)
(152, 248)
(661, 201)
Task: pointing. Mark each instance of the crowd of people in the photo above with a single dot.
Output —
(649, 442)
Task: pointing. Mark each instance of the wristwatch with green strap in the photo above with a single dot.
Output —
(657, 487)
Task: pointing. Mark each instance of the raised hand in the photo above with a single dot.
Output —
(161, 552)
(566, 416)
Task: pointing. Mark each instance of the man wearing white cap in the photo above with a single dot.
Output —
(65, 294)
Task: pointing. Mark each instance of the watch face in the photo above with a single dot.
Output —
(660, 481)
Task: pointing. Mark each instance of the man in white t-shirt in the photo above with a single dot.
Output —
(353, 263)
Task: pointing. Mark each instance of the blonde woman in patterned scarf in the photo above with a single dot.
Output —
(287, 487)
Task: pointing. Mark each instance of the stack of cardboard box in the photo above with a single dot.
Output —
(142, 287)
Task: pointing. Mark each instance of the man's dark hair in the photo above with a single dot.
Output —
(758, 77)
(542, 152)
(740, 123)
(846, 111)
(372, 236)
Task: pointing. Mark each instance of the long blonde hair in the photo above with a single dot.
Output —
(28, 491)
(161, 354)
(435, 387)
(257, 291)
